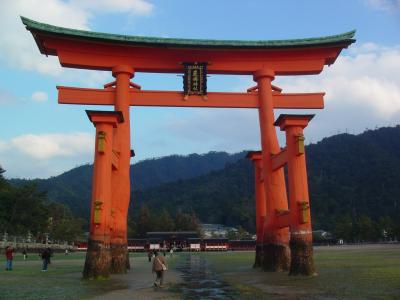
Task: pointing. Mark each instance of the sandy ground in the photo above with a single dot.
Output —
(140, 283)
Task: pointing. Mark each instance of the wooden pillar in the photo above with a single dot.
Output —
(261, 209)
(276, 240)
(121, 175)
(301, 249)
(98, 258)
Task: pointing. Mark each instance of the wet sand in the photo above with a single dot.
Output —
(139, 283)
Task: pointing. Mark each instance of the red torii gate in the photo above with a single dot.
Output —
(125, 55)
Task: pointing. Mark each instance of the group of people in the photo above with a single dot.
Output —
(159, 267)
(45, 255)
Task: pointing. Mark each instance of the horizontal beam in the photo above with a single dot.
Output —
(279, 160)
(83, 96)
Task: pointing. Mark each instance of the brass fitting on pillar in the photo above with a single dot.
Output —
(101, 141)
(303, 208)
(97, 212)
(300, 144)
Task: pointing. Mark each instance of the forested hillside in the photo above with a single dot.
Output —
(73, 187)
(354, 183)
(352, 179)
(224, 196)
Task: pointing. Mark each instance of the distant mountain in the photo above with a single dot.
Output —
(349, 175)
(224, 197)
(73, 187)
(355, 175)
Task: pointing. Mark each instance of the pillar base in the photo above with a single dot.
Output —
(302, 260)
(259, 256)
(119, 258)
(276, 257)
(98, 260)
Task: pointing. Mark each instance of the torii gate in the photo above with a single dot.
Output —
(125, 55)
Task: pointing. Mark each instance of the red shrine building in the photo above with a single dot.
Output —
(284, 236)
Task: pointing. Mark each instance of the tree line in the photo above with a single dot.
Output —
(148, 219)
(365, 229)
(25, 210)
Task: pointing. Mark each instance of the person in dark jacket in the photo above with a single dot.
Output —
(25, 254)
(159, 267)
(46, 253)
(9, 257)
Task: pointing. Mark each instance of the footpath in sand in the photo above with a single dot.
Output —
(139, 283)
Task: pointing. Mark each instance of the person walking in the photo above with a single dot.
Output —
(150, 255)
(159, 267)
(9, 256)
(25, 254)
(46, 259)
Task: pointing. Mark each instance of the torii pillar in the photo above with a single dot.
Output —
(121, 175)
(301, 248)
(276, 240)
(261, 202)
(98, 258)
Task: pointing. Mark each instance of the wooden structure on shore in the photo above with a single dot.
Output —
(124, 56)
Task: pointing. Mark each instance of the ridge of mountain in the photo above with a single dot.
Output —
(73, 187)
(349, 175)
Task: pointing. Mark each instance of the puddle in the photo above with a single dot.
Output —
(199, 282)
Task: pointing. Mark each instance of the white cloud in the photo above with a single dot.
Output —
(218, 129)
(362, 91)
(130, 6)
(6, 97)
(384, 5)
(3, 146)
(369, 78)
(39, 96)
(17, 47)
(19, 50)
(44, 155)
(46, 146)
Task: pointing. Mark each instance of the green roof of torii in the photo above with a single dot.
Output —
(37, 27)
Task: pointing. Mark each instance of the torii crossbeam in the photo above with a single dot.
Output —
(81, 96)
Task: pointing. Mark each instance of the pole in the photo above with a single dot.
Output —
(276, 250)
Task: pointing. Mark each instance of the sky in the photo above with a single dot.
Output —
(40, 138)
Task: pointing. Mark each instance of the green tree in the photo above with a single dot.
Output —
(232, 235)
(186, 222)
(165, 221)
(344, 229)
(132, 227)
(242, 233)
(367, 230)
(386, 228)
(63, 226)
(144, 221)
(24, 209)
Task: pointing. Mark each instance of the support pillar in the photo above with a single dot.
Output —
(276, 240)
(98, 258)
(261, 203)
(301, 249)
(121, 175)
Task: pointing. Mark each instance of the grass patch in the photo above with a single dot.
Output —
(344, 273)
(370, 272)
